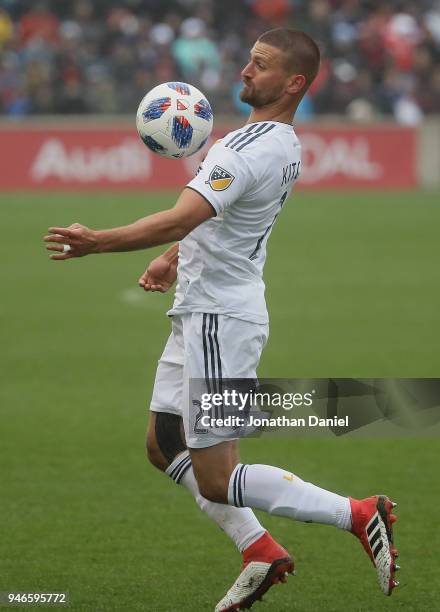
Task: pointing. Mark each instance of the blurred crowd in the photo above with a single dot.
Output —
(380, 58)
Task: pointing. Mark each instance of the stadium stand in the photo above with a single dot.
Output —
(381, 59)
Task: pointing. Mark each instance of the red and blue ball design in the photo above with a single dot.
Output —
(203, 110)
(181, 132)
(181, 88)
(156, 109)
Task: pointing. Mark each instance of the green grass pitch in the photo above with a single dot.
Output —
(353, 290)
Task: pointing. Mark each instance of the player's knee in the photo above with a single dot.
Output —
(214, 490)
(213, 467)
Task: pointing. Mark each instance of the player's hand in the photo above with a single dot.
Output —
(74, 241)
(159, 276)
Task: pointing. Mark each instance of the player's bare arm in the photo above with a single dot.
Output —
(171, 225)
(161, 273)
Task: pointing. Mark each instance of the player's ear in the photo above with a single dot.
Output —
(295, 83)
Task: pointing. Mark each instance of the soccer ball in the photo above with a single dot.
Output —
(174, 120)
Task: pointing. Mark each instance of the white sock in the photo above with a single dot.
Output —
(276, 491)
(240, 524)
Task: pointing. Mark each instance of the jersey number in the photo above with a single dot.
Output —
(255, 252)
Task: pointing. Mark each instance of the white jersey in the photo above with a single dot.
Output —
(246, 177)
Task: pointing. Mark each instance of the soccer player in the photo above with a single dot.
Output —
(221, 224)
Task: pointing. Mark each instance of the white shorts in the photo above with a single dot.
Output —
(208, 347)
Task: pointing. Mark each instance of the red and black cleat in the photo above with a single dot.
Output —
(265, 563)
(372, 523)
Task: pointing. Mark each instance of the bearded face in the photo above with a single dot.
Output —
(264, 76)
(260, 94)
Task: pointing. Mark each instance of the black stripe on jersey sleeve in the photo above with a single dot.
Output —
(254, 137)
(234, 138)
(204, 197)
(248, 135)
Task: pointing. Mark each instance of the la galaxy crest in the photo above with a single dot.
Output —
(220, 179)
